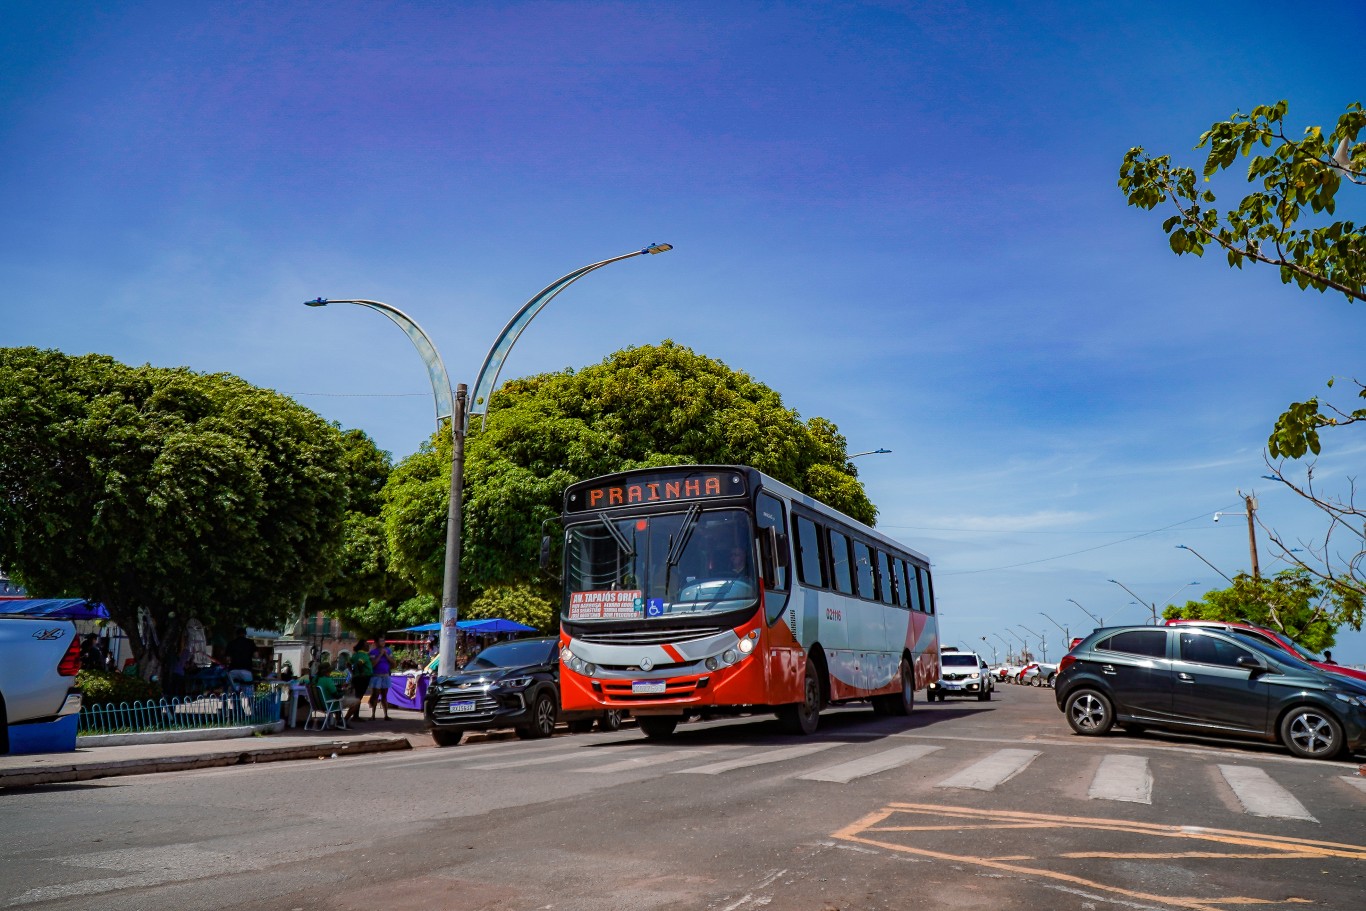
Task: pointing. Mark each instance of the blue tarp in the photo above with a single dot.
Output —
(55, 608)
(489, 625)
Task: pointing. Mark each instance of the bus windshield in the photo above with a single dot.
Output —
(647, 567)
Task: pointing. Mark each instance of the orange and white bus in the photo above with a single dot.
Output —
(715, 588)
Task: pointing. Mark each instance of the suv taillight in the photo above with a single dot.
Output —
(70, 665)
(1066, 662)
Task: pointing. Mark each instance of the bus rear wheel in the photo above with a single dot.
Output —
(805, 716)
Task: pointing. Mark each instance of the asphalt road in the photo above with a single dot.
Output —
(964, 805)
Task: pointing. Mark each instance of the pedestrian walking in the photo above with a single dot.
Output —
(361, 671)
(383, 659)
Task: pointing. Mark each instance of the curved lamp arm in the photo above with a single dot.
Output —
(436, 370)
(487, 380)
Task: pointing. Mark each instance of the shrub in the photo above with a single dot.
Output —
(101, 687)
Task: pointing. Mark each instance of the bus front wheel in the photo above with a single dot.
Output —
(658, 727)
(803, 717)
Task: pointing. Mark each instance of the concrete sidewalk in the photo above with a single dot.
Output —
(403, 730)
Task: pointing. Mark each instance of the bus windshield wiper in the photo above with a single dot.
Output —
(622, 543)
(680, 543)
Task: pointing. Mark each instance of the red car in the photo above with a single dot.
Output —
(1273, 639)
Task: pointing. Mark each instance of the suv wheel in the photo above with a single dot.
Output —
(542, 718)
(446, 738)
(1310, 732)
(1089, 712)
(610, 720)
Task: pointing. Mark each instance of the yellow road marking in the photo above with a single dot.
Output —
(875, 828)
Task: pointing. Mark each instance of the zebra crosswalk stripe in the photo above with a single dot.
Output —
(1260, 795)
(1124, 778)
(996, 769)
(767, 756)
(846, 772)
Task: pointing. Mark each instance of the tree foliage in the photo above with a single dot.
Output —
(164, 493)
(653, 405)
(364, 592)
(1293, 602)
(1285, 221)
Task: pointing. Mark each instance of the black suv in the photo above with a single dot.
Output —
(1207, 682)
(512, 684)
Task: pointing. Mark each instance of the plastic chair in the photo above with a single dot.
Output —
(331, 709)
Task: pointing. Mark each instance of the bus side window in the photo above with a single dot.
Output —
(929, 591)
(865, 569)
(913, 587)
(887, 580)
(839, 563)
(769, 512)
(810, 566)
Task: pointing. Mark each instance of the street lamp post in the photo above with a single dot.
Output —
(869, 452)
(1152, 605)
(1024, 644)
(994, 654)
(1206, 562)
(1099, 621)
(1006, 643)
(1066, 636)
(1043, 643)
(455, 406)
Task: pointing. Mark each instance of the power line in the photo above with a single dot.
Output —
(1084, 550)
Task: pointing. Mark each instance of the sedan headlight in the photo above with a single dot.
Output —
(1348, 698)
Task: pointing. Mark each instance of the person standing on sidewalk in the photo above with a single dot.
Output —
(383, 660)
(361, 671)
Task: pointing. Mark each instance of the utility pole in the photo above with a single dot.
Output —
(1251, 502)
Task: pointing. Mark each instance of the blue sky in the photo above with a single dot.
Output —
(901, 216)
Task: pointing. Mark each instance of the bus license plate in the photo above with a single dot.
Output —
(647, 686)
(456, 707)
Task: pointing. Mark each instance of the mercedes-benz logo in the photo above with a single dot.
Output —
(646, 664)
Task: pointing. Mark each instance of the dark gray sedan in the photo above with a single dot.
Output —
(1205, 682)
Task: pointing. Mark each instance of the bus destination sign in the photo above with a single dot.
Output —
(657, 487)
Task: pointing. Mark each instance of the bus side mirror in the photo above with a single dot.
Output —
(545, 551)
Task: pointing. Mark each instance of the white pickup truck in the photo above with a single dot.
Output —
(39, 658)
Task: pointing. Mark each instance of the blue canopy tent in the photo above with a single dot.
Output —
(487, 625)
(55, 608)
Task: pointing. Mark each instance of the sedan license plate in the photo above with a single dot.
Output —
(647, 686)
(457, 707)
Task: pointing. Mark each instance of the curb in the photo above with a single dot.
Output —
(25, 778)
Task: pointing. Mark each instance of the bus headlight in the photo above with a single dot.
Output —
(589, 670)
(712, 663)
(730, 656)
(746, 645)
(566, 655)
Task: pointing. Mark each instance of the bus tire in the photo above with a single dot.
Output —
(805, 716)
(903, 703)
(658, 727)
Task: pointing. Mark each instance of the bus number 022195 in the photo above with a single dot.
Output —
(834, 613)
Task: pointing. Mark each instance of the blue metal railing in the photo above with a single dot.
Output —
(190, 714)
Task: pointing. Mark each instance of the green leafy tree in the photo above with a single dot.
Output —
(364, 592)
(1293, 602)
(1285, 221)
(164, 494)
(653, 405)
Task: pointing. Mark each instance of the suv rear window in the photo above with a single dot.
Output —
(1150, 643)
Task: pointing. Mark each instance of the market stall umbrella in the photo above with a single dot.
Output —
(496, 625)
(55, 608)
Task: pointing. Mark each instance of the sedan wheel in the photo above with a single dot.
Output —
(1089, 712)
(610, 720)
(1312, 733)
